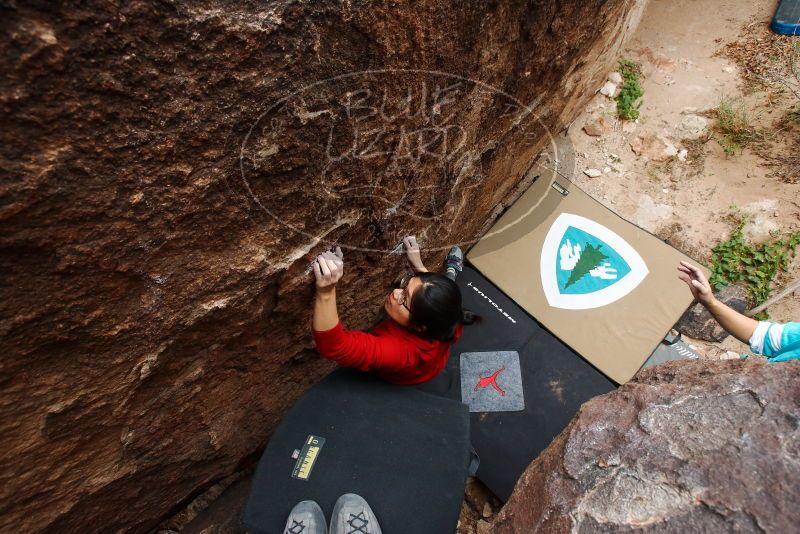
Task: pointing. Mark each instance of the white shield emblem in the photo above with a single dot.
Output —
(585, 265)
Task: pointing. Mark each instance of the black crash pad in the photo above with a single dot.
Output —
(404, 451)
(555, 382)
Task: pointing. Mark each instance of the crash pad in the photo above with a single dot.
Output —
(555, 382)
(406, 452)
(605, 287)
(671, 348)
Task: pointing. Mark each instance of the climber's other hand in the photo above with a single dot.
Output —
(412, 252)
(328, 270)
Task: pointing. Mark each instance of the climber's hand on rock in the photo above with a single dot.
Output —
(697, 282)
(328, 269)
(412, 252)
(336, 255)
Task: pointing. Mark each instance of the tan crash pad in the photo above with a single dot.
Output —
(605, 287)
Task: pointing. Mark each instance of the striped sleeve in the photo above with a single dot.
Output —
(766, 338)
(789, 343)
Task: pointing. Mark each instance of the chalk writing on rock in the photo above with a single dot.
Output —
(380, 154)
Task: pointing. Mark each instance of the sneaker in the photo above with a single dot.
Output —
(306, 518)
(454, 263)
(352, 515)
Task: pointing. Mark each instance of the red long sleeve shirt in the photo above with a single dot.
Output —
(388, 350)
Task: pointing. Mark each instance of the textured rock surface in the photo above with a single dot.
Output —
(154, 305)
(698, 323)
(689, 446)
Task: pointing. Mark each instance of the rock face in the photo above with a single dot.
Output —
(697, 322)
(687, 446)
(170, 169)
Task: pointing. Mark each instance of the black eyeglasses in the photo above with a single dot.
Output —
(402, 285)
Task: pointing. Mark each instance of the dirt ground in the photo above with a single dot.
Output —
(688, 69)
(690, 202)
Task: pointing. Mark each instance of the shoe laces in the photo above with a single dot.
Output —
(298, 527)
(358, 523)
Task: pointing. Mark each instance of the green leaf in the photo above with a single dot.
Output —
(737, 259)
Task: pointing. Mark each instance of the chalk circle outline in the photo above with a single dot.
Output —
(529, 111)
(601, 297)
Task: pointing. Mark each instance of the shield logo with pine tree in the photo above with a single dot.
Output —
(586, 265)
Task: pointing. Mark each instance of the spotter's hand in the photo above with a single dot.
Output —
(328, 269)
(412, 252)
(697, 282)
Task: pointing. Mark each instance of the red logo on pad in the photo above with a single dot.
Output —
(490, 381)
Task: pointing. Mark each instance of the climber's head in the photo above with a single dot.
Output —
(429, 304)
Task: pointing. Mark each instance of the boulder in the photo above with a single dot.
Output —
(169, 171)
(686, 446)
(696, 322)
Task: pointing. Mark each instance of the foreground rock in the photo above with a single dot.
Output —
(169, 171)
(692, 446)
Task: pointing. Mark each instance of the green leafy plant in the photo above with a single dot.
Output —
(591, 257)
(737, 260)
(628, 99)
(733, 125)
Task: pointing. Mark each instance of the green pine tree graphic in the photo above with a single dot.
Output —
(591, 257)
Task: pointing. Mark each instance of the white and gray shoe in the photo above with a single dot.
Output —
(352, 515)
(306, 518)
(454, 263)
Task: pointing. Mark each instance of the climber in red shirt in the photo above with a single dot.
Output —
(412, 345)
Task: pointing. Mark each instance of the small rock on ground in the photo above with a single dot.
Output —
(597, 126)
(653, 147)
(608, 89)
(693, 126)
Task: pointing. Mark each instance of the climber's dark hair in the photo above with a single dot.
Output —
(436, 308)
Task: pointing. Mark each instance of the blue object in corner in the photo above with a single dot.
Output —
(787, 18)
